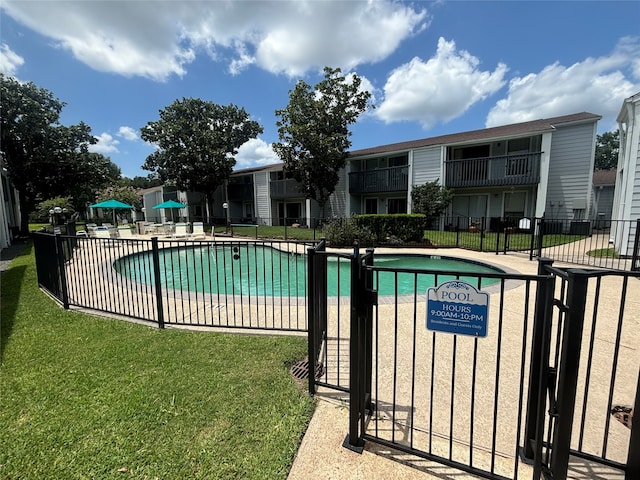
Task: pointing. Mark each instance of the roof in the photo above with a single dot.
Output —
(271, 166)
(512, 130)
(604, 177)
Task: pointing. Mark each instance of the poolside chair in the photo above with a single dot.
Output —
(101, 232)
(181, 230)
(198, 230)
(124, 231)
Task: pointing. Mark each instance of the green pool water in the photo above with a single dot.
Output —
(265, 271)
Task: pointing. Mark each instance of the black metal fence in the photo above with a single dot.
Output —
(478, 404)
(586, 362)
(603, 243)
(233, 284)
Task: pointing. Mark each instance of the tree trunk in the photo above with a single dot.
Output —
(24, 213)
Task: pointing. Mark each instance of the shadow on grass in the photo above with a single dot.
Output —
(10, 287)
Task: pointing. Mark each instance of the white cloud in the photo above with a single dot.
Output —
(438, 90)
(255, 152)
(10, 61)
(106, 144)
(128, 133)
(159, 39)
(596, 85)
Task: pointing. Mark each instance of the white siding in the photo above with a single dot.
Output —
(570, 170)
(262, 197)
(426, 165)
(337, 204)
(635, 200)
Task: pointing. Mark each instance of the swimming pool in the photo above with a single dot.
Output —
(255, 269)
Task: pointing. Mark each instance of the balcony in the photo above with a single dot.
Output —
(521, 169)
(287, 188)
(240, 192)
(394, 179)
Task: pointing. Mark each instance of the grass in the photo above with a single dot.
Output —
(86, 397)
(267, 231)
(603, 253)
(517, 241)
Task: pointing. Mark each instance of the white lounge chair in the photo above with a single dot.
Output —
(181, 230)
(101, 232)
(198, 230)
(124, 231)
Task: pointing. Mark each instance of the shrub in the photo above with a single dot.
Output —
(344, 232)
(389, 228)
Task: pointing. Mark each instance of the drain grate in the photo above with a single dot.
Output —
(300, 371)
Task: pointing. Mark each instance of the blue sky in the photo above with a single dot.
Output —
(433, 67)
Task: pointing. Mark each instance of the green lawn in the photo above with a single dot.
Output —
(85, 397)
(517, 241)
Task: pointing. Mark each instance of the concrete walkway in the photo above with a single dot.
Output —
(321, 454)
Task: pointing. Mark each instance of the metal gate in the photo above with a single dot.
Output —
(502, 406)
(587, 365)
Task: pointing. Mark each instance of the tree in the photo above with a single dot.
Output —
(430, 199)
(42, 211)
(94, 172)
(122, 193)
(151, 180)
(314, 131)
(607, 146)
(197, 141)
(41, 156)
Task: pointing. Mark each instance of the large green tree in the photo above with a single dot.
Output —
(93, 172)
(430, 199)
(607, 146)
(42, 156)
(313, 130)
(197, 141)
(151, 180)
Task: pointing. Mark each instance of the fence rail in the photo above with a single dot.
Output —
(231, 284)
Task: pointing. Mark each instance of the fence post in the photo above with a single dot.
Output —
(354, 440)
(635, 257)
(457, 231)
(157, 280)
(633, 457)
(537, 382)
(533, 226)
(568, 370)
(482, 227)
(540, 237)
(62, 274)
(311, 319)
(371, 299)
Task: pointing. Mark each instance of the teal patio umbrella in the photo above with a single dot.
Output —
(113, 204)
(170, 204)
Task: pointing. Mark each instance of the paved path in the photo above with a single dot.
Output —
(321, 454)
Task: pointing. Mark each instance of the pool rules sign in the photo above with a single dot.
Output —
(457, 307)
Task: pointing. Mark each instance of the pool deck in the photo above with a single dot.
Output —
(321, 454)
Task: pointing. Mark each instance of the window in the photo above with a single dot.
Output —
(397, 205)
(517, 163)
(399, 161)
(475, 168)
(371, 205)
